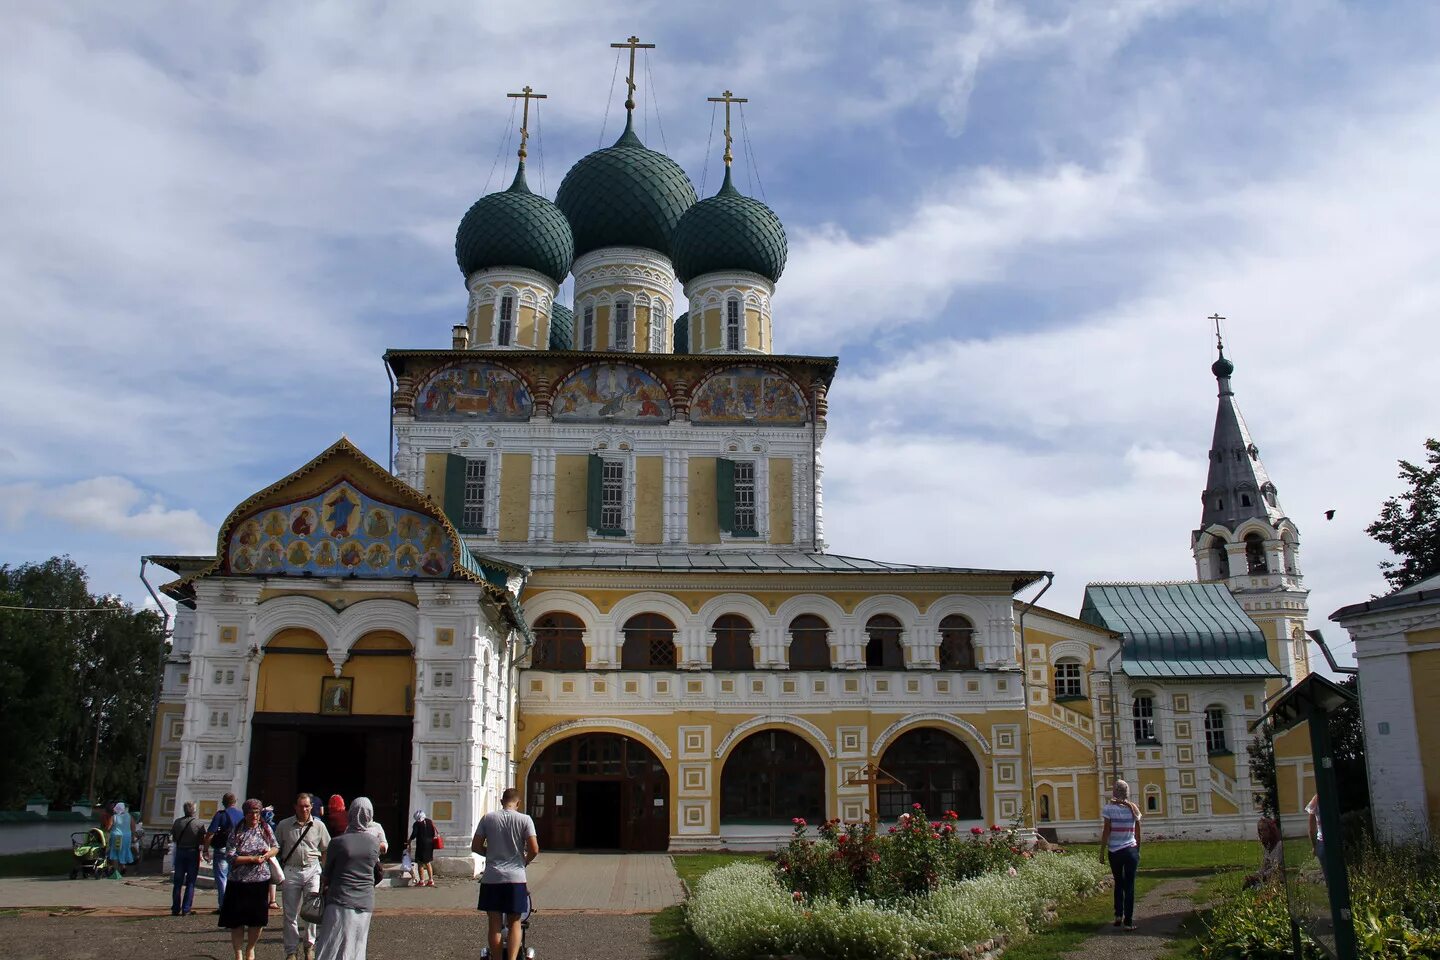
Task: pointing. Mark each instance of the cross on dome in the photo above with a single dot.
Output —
(527, 93)
(632, 44)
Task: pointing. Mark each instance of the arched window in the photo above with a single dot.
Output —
(658, 326)
(558, 643)
(734, 331)
(620, 331)
(957, 643)
(587, 328)
(1045, 804)
(1220, 558)
(809, 643)
(883, 650)
(935, 770)
(1152, 799)
(772, 777)
(1215, 730)
(1292, 557)
(1142, 718)
(505, 322)
(1255, 553)
(732, 644)
(1069, 682)
(649, 643)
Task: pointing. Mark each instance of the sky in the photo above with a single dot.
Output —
(1010, 221)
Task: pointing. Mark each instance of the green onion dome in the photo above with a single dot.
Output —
(1222, 367)
(729, 231)
(515, 228)
(682, 333)
(562, 327)
(626, 195)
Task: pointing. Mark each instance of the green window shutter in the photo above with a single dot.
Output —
(454, 503)
(593, 476)
(725, 494)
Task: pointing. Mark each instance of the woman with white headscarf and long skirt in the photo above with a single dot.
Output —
(348, 884)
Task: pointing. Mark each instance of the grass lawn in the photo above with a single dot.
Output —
(51, 863)
(668, 926)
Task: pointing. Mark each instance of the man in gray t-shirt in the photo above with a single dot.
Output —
(506, 839)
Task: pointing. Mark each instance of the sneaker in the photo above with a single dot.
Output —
(1117, 922)
(1130, 926)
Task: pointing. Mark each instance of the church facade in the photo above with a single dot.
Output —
(595, 567)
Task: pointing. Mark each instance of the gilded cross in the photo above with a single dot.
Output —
(871, 775)
(633, 44)
(1216, 318)
(527, 94)
(727, 99)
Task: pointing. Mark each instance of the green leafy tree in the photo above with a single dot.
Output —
(1261, 750)
(1410, 523)
(1347, 748)
(78, 676)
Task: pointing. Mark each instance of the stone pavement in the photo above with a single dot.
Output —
(559, 882)
(1158, 916)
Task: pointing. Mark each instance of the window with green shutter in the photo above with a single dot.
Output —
(735, 497)
(605, 496)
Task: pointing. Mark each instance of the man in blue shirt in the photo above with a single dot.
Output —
(217, 836)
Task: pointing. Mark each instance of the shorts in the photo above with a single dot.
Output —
(511, 898)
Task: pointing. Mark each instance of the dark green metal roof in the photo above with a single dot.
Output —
(1179, 629)
(682, 333)
(729, 231)
(625, 195)
(562, 327)
(515, 228)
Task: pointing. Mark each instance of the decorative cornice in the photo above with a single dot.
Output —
(920, 719)
(775, 720)
(605, 724)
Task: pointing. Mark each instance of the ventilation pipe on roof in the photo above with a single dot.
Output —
(460, 337)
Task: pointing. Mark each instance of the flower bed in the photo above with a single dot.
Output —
(1395, 904)
(919, 892)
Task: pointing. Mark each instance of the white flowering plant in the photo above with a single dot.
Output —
(743, 911)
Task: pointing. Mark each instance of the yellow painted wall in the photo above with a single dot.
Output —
(1224, 764)
(649, 499)
(712, 328)
(484, 327)
(1220, 805)
(1425, 689)
(782, 500)
(525, 329)
(1416, 637)
(435, 475)
(704, 523)
(290, 682)
(515, 496)
(752, 328)
(642, 330)
(570, 473)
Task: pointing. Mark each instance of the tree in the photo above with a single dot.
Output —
(1410, 523)
(78, 675)
(1347, 749)
(1261, 751)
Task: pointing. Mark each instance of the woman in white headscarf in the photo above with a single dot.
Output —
(422, 835)
(348, 884)
(121, 854)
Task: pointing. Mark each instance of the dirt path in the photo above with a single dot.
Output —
(1158, 916)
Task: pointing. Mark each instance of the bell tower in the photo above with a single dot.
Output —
(1245, 539)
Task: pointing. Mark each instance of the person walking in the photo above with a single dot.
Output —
(335, 817)
(303, 841)
(187, 833)
(1120, 843)
(267, 817)
(245, 910)
(122, 852)
(506, 839)
(217, 838)
(422, 835)
(348, 883)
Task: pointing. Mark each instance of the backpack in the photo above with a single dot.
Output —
(221, 839)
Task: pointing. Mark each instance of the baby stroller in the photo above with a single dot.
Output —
(526, 953)
(90, 851)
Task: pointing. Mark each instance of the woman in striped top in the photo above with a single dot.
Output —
(1120, 842)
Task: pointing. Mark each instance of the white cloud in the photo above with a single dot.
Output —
(109, 506)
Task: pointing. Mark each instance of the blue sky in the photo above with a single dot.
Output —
(1009, 220)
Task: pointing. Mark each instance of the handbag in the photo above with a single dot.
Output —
(312, 907)
(439, 840)
(277, 875)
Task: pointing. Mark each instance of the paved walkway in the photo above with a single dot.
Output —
(560, 882)
(1158, 916)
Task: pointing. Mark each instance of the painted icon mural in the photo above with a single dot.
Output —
(611, 391)
(473, 391)
(339, 533)
(745, 394)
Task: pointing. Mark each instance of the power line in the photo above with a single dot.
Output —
(609, 97)
(129, 610)
(705, 168)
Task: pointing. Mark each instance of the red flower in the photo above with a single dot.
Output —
(798, 821)
(976, 830)
(994, 828)
(841, 839)
(935, 836)
(916, 806)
